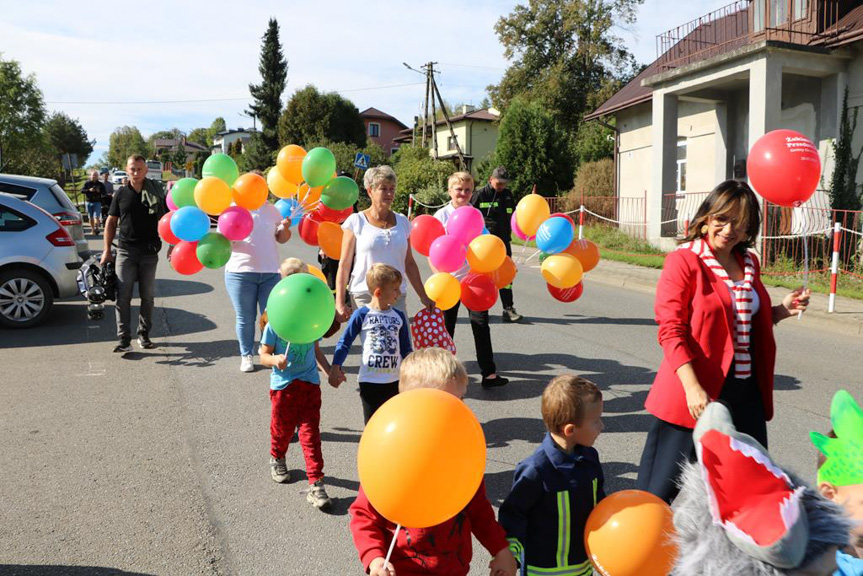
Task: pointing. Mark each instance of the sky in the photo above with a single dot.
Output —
(165, 64)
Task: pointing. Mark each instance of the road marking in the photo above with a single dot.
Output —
(94, 369)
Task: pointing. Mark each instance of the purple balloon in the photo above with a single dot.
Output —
(171, 206)
(514, 225)
(466, 223)
(236, 223)
(447, 253)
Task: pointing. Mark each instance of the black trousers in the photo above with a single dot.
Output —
(506, 291)
(481, 336)
(668, 446)
(374, 395)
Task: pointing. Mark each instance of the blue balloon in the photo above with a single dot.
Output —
(190, 223)
(484, 231)
(287, 207)
(554, 235)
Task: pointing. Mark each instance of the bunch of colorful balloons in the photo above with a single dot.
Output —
(220, 192)
(312, 196)
(566, 257)
(463, 244)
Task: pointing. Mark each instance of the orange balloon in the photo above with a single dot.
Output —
(505, 274)
(421, 457)
(290, 163)
(250, 191)
(444, 289)
(486, 253)
(530, 212)
(587, 253)
(212, 195)
(317, 273)
(309, 197)
(278, 185)
(330, 239)
(630, 533)
(562, 270)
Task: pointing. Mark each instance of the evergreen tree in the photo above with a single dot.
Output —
(844, 190)
(267, 105)
(179, 157)
(67, 136)
(257, 156)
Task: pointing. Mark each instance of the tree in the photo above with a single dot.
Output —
(200, 136)
(311, 116)
(22, 116)
(257, 156)
(564, 54)
(267, 95)
(417, 172)
(67, 136)
(124, 142)
(535, 150)
(844, 190)
(217, 126)
(594, 142)
(179, 157)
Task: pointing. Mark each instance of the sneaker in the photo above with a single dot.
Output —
(494, 382)
(510, 315)
(278, 471)
(246, 364)
(124, 346)
(144, 341)
(318, 496)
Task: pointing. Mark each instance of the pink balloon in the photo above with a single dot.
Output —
(466, 223)
(514, 225)
(236, 223)
(170, 201)
(447, 254)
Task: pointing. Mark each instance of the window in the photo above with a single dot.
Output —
(450, 143)
(800, 9)
(393, 150)
(374, 129)
(778, 12)
(681, 165)
(11, 221)
(757, 15)
(22, 192)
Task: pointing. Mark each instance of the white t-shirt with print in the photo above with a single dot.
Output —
(259, 252)
(377, 246)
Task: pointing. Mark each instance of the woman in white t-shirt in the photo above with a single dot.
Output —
(376, 236)
(252, 272)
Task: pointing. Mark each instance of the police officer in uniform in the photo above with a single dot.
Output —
(495, 202)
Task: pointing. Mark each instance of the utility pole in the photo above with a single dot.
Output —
(433, 93)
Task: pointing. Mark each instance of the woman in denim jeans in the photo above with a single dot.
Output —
(252, 272)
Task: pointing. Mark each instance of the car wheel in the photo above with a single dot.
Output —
(25, 298)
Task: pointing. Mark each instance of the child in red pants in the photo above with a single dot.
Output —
(295, 393)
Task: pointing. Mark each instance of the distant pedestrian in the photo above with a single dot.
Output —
(108, 195)
(135, 210)
(93, 192)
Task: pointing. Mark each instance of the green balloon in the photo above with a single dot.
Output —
(301, 308)
(183, 192)
(221, 166)
(318, 167)
(340, 193)
(214, 250)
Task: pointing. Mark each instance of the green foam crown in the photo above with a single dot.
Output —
(844, 465)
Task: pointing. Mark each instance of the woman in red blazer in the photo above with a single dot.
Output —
(716, 332)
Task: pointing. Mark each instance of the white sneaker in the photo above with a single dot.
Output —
(246, 364)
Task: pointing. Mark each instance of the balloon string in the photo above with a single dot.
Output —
(532, 256)
(805, 260)
(392, 546)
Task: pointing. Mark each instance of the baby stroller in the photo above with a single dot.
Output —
(97, 284)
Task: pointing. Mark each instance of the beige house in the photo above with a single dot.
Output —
(720, 82)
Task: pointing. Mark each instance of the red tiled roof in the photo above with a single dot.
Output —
(375, 113)
(630, 95)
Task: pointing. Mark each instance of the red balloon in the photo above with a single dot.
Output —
(326, 214)
(165, 229)
(784, 167)
(184, 258)
(425, 229)
(309, 230)
(562, 215)
(478, 292)
(567, 294)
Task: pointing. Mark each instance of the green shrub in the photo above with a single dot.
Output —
(592, 179)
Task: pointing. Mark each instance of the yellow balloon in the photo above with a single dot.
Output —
(486, 253)
(290, 162)
(317, 273)
(562, 270)
(213, 195)
(530, 212)
(444, 289)
(278, 185)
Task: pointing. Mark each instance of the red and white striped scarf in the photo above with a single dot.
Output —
(742, 303)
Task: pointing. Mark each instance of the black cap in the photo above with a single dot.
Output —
(500, 174)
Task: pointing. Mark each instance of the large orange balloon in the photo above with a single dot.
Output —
(330, 239)
(421, 458)
(530, 212)
(309, 197)
(562, 270)
(212, 195)
(290, 162)
(505, 274)
(278, 185)
(317, 273)
(630, 533)
(486, 253)
(250, 191)
(444, 289)
(587, 253)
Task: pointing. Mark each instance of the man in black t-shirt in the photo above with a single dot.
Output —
(93, 191)
(135, 209)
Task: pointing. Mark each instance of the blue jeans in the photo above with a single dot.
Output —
(249, 292)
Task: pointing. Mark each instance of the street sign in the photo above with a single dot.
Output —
(362, 161)
(70, 161)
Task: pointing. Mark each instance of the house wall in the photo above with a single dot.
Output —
(229, 139)
(855, 99)
(389, 131)
(483, 141)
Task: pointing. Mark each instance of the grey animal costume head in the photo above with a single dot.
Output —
(740, 513)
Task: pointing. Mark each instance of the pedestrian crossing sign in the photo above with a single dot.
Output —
(362, 161)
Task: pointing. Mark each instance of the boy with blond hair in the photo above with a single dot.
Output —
(383, 330)
(555, 489)
(444, 549)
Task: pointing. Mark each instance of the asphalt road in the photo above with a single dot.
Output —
(156, 463)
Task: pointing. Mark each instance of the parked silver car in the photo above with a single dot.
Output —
(47, 194)
(38, 263)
